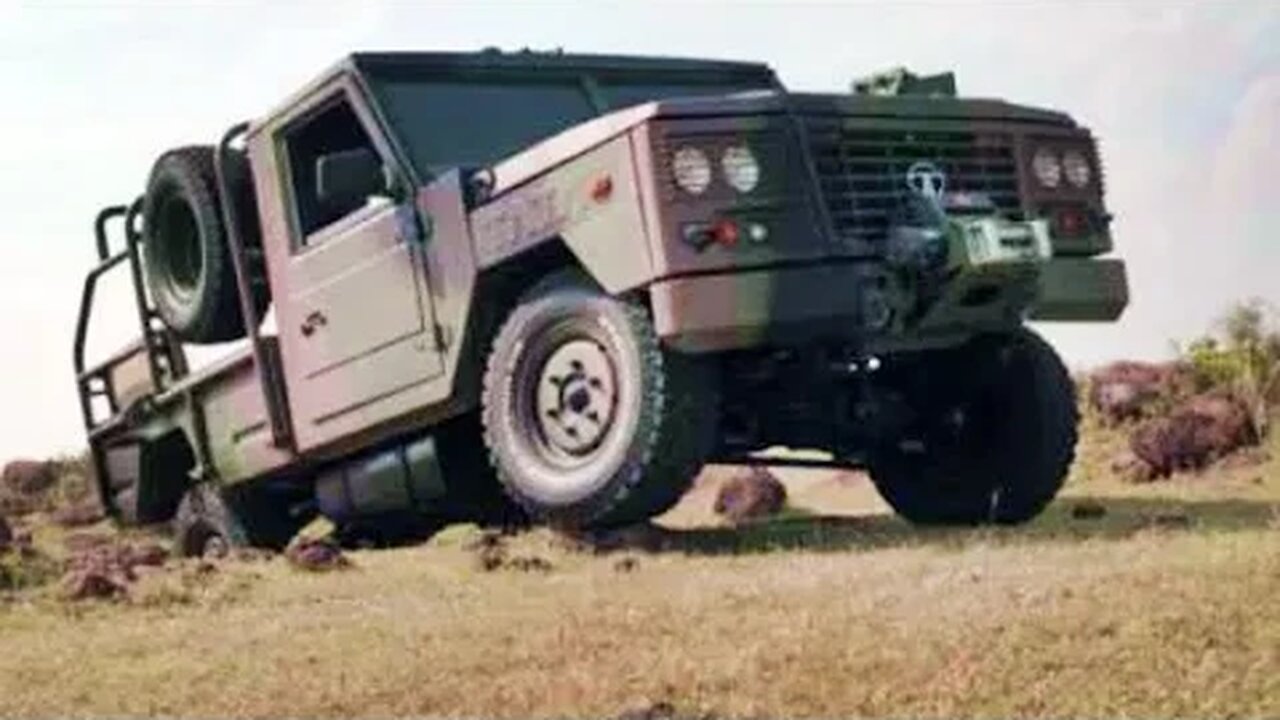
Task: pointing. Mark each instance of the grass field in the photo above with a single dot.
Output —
(1165, 606)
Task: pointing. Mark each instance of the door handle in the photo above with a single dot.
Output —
(313, 322)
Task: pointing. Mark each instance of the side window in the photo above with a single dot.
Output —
(334, 168)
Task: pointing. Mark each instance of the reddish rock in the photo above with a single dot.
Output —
(1131, 468)
(29, 477)
(81, 542)
(1246, 458)
(1197, 432)
(146, 554)
(78, 515)
(1125, 391)
(102, 569)
(93, 583)
(97, 573)
(752, 493)
(316, 555)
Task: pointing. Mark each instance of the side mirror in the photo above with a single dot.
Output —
(347, 178)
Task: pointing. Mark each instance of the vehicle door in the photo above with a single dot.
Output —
(355, 321)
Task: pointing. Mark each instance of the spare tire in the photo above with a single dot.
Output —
(186, 253)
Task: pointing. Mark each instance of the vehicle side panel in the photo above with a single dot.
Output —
(235, 419)
(451, 265)
(592, 202)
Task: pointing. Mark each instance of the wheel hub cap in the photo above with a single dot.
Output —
(575, 397)
(215, 547)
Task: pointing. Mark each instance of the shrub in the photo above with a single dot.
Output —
(1242, 356)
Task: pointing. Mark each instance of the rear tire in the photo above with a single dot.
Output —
(998, 439)
(234, 517)
(588, 420)
(205, 525)
(187, 257)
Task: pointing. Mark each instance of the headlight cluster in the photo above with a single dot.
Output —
(692, 170)
(1050, 168)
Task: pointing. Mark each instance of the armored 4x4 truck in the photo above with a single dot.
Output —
(546, 286)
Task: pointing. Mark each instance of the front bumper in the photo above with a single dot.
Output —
(1081, 290)
(788, 305)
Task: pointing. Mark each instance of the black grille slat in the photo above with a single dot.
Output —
(862, 172)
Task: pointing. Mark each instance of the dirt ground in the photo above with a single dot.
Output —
(1165, 605)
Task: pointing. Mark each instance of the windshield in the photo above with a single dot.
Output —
(445, 121)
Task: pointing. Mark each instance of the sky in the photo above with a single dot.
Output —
(1184, 99)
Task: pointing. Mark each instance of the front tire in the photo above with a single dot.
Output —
(588, 420)
(997, 439)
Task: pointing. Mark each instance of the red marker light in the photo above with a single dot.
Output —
(724, 232)
(602, 189)
(1071, 222)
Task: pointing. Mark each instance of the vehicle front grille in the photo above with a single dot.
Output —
(863, 170)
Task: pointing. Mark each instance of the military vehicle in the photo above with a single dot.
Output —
(498, 286)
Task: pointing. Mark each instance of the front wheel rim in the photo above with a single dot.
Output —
(575, 398)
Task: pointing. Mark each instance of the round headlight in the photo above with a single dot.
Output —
(691, 169)
(1047, 168)
(1076, 167)
(741, 170)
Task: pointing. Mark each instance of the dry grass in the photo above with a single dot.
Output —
(851, 612)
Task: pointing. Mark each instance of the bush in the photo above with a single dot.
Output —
(25, 568)
(1242, 356)
(29, 486)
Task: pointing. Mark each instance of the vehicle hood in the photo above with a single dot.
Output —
(905, 106)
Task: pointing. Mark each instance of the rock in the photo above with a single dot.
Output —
(98, 573)
(80, 542)
(1131, 468)
(1088, 510)
(29, 477)
(1247, 458)
(316, 555)
(93, 583)
(752, 493)
(626, 565)
(1200, 430)
(103, 568)
(146, 554)
(78, 515)
(1125, 390)
(6, 535)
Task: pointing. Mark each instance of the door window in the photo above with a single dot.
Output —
(334, 130)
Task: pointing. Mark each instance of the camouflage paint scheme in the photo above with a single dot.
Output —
(378, 315)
